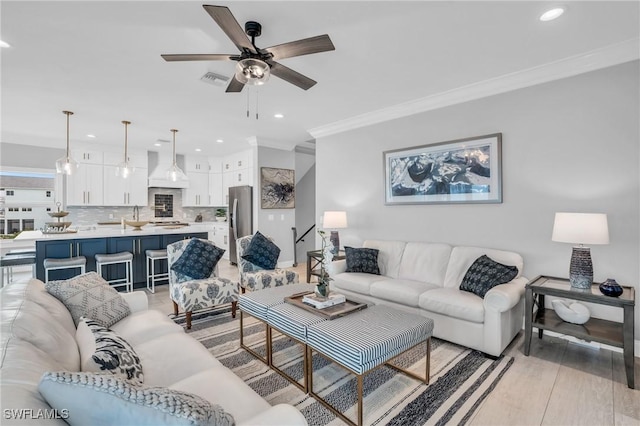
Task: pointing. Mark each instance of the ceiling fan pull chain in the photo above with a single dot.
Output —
(257, 109)
(248, 103)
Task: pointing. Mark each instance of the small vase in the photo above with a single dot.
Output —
(611, 288)
(322, 290)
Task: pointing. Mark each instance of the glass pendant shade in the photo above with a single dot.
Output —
(252, 71)
(175, 173)
(125, 169)
(66, 165)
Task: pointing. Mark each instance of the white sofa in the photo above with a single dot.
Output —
(424, 278)
(38, 335)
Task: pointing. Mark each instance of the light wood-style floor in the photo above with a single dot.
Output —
(560, 383)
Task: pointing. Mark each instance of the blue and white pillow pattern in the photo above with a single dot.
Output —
(198, 260)
(484, 274)
(262, 252)
(362, 260)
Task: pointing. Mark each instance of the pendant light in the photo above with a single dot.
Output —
(125, 169)
(174, 173)
(66, 165)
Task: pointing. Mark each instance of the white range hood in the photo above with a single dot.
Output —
(159, 163)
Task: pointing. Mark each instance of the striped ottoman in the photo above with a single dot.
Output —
(293, 322)
(366, 339)
(257, 303)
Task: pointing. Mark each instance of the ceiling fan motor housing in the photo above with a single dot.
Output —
(253, 28)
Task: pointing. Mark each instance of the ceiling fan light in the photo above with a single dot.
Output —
(252, 71)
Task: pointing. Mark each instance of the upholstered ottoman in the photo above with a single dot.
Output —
(366, 339)
(257, 303)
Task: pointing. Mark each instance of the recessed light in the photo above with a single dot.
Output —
(198, 150)
(552, 14)
(4, 44)
(278, 115)
(157, 144)
(219, 141)
(91, 136)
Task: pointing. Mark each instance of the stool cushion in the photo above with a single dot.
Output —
(102, 350)
(155, 254)
(114, 257)
(17, 259)
(105, 399)
(90, 296)
(70, 262)
(198, 260)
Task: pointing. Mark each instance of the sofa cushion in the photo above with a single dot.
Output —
(262, 252)
(140, 327)
(36, 292)
(484, 274)
(453, 303)
(426, 262)
(405, 292)
(90, 296)
(356, 282)
(104, 399)
(462, 258)
(103, 351)
(363, 260)
(199, 259)
(389, 256)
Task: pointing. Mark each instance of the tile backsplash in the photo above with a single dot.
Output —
(84, 216)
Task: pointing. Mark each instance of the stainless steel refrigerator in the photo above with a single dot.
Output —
(240, 217)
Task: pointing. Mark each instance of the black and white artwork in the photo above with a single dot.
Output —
(460, 171)
(277, 188)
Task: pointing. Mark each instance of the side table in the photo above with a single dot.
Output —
(598, 330)
(314, 257)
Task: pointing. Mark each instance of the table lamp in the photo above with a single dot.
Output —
(334, 220)
(581, 228)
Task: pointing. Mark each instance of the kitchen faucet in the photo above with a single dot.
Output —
(136, 213)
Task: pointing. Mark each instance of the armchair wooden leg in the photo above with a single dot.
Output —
(234, 306)
(175, 308)
(188, 314)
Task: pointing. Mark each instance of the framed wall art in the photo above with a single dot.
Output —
(460, 171)
(277, 188)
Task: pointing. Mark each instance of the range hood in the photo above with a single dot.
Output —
(159, 163)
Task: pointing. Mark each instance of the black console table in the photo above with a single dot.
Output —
(598, 330)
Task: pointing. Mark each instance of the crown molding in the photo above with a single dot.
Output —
(271, 143)
(604, 57)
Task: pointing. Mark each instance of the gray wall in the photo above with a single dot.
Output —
(16, 155)
(276, 223)
(569, 145)
(305, 211)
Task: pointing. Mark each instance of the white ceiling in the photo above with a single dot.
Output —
(102, 61)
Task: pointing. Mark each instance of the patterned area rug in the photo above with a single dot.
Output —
(460, 378)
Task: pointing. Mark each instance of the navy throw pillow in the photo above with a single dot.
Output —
(198, 259)
(484, 274)
(262, 252)
(362, 260)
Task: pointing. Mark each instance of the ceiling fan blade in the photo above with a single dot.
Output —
(317, 44)
(293, 77)
(234, 86)
(225, 19)
(198, 57)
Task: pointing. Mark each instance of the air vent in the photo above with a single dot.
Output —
(215, 79)
(163, 140)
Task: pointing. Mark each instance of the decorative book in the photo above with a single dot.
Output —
(324, 302)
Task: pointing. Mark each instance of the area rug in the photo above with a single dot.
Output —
(460, 378)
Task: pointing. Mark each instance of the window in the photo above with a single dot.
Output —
(48, 194)
(9, 192)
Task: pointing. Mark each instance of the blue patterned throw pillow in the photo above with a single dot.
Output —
(198, 259)
(262, 252)
(362, 260)
(484, 274)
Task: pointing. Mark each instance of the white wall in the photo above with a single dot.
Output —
(568, 145)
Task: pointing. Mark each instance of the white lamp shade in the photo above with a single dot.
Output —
(334, 220)
(581, 228)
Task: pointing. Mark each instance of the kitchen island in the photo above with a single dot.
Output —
(111, 239)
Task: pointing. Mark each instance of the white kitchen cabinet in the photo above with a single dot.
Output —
(85, 187)
(216, 195)
(131, 191)
(220, 237)
(239, 160)
(87, 156)
(196, 164)
(137, 159)
(197, 194)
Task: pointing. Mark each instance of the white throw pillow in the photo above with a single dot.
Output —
(104, 351)
(90, 296)
(103, 399)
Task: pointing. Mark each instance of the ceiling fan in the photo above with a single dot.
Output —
(255, 64)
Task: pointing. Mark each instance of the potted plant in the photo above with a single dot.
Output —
(221, 215)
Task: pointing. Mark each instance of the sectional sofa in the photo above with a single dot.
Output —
(425, 278)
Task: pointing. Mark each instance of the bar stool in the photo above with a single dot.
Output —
(125, 258)
(25, 255)
(152, 275)
(66, 263)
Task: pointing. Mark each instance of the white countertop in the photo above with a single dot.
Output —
(106, 231)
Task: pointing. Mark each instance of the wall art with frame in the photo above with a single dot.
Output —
(277, 188)
(459, 171)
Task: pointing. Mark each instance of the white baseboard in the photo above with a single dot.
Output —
(594, 345)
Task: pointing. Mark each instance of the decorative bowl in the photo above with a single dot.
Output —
(611, 288)
(136, 224)
(58, 214)
(575, 313)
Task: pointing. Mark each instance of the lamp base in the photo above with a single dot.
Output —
(581, 268)
(335, 240)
